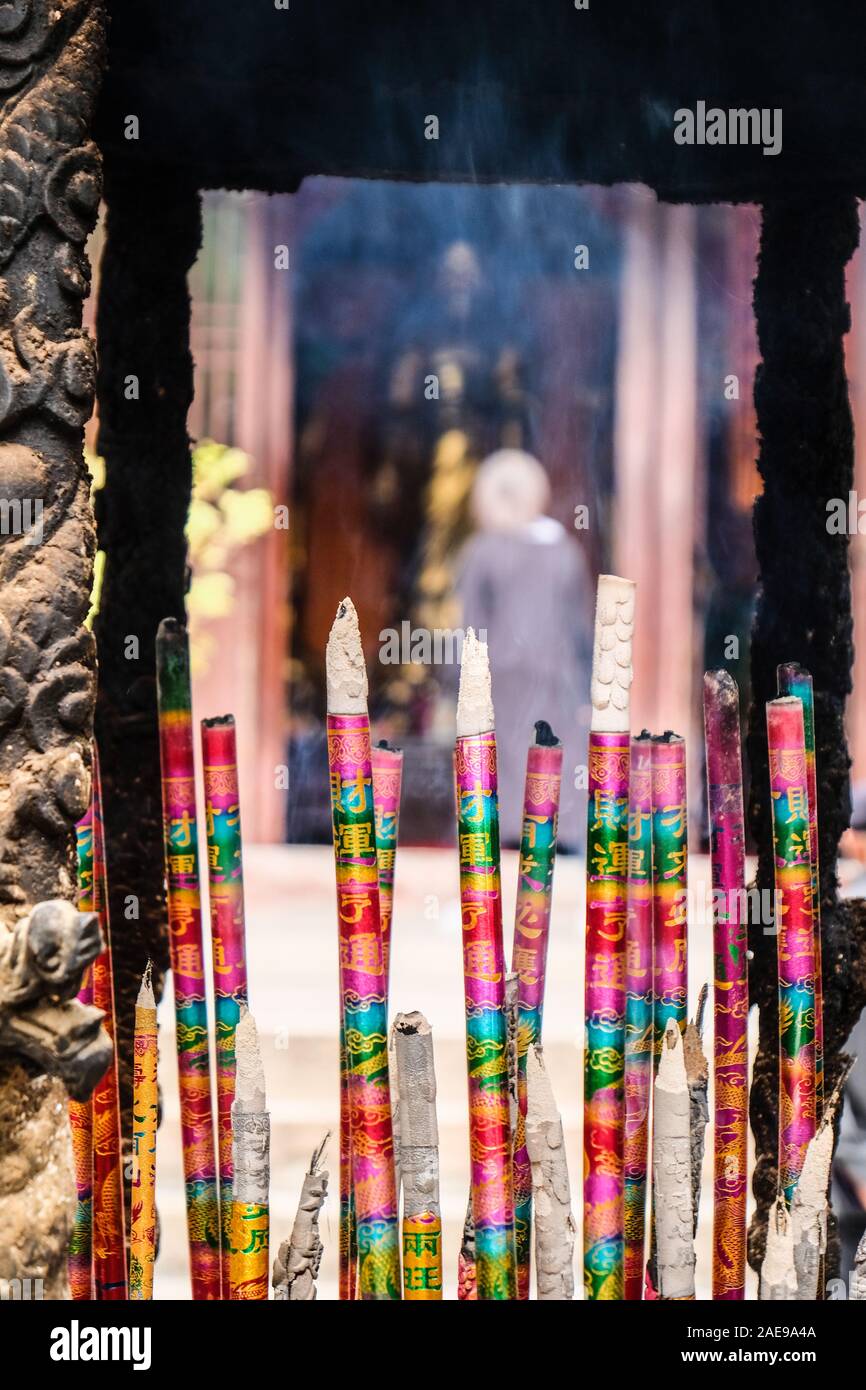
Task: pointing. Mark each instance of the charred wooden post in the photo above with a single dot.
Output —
(803, 610)
(51, 59)
(144, 389)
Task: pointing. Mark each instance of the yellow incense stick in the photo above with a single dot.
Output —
(144, 1108)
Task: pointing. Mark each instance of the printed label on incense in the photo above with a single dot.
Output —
(364, 1009)
(486, 1024)
(606, 916)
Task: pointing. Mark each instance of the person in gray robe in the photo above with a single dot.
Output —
(524, 581)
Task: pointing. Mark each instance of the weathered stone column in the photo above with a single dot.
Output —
(804, 608)
(145, 386)
(51, 56)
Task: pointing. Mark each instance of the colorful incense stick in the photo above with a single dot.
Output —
(80, 1261)
(794, 680)
(387, 765)
(638, 1012)
(180, 832)
(730, 982)
(484, 978)
(419, 1159)
(795, 941)
(145, 1105)
(226, 882)
(109, 1227)
(606, 917)
(670, 884)
(529, 954)
(251, 1168)
(364, 1020)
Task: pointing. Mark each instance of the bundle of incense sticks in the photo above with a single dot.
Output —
(251, 1167)
(367, 1171)
(794, 680)
(80, 1261)
(638, 1012)
(180, 833)
(795, 939)
(387, 766)
(484, 977)
(731, 990)
(145, 1105)
(226, 883)
(606, 917)
(109, 1234)
(529, 954)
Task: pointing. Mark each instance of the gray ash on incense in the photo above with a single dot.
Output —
(551, 1191)
(672, 1175)
(296, 1267)
(251, 1123)
(419, 1131)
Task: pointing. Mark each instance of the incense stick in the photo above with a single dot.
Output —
(730, 983)
(180, 835)
(251, 1158)
(638, 1012)
(810, 1202)
(296, 1267)
(794, 680)
(554, 1225)
(365, 1084)
(145, 1104)
(80, 1260)
(778, 1282)
(387, 765)
(529, 954)
(606, 917)
(228, 938)
(795, 938)
(419, 1159)
(484, 977)
(109, 1227)
(672, 1178)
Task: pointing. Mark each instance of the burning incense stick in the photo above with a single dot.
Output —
(251, 1168)
(419, 1159)
(529, 954)
(109, 1227)
(145, 1104)
(795, 939)
(365, 1086)
(226, 882)
(606, 916)
(730, 985)
(387, 765)
(180, 830)
(296, 1267)
(80, 1261)
(778, 1275)
(638, 1011)
(672, 1177)
(554, 1225)
(484, 977)
(794, 680)
(810, 1203)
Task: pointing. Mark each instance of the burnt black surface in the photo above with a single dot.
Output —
(248, 95)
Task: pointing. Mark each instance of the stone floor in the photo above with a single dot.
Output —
(291, 935)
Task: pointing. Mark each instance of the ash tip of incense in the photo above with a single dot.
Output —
(345, 669)
(386, 746)
(250, 1075)
(784, 701)
(540, 1098)
(668, 737)
(544, 735)
(790, 670)
(671, 1075)
(146, 998)
(171, 627)
(318, 1157)
(474, 695)
(412, 1024)
(644, 736)
(779, 1255)
(721, 684)
(219, 721)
